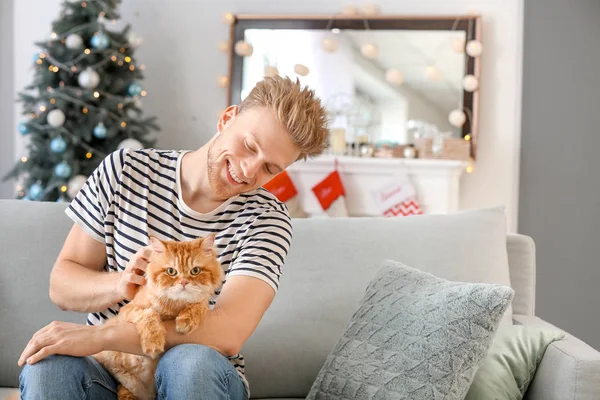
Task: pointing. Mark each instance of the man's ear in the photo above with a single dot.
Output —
(227, 117)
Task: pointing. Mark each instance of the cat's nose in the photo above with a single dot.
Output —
(183, 283)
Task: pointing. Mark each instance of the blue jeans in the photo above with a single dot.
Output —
(185, 372)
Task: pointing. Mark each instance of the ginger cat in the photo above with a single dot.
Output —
(181, 278)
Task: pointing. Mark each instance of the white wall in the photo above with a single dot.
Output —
(7, 189)
(182, 59)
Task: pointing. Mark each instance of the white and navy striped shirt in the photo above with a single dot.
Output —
(135, 194)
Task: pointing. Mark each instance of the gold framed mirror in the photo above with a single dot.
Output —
(398, 77)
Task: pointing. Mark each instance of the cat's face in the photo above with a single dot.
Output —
(187, 271)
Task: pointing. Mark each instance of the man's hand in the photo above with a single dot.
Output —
(131, 278)
(63, 338)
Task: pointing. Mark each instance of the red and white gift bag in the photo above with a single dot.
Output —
(331, 195)
(397, 197)
(282, 187)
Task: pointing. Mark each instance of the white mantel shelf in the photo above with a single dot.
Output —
(437, 181)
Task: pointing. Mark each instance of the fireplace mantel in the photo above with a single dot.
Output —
(437, 182)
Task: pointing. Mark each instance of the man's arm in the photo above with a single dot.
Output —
(78, 282)
(240, 307)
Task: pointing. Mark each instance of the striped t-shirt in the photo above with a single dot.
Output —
(135, 194)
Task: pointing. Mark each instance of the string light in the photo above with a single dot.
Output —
(61, 84)
(42, 55)
(74, 68)
(120, 63)
(470, 169)
(21, 193)
(467, 137)
(87, 51)
(142, 67)
(53, 35)
(49, 88)
(63, 41)
(88, 155)
(120, 106)
(132, 68)
(143, 93)
(127, 59)
(83, 4)
(50, 68)
(122, 50)
(96, 94)
(19, 187)
(42, 108)
(63, 188)
(84, 110)
(52, 101)
(114, 58)
(39, 62)
(123, 124)
(24, 159)
(55, 69)
(102, 14)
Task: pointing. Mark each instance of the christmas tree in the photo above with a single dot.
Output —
(83, 104)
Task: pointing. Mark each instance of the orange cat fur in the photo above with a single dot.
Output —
(181, 278)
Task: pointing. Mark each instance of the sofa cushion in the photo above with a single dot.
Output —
(414, 336)
(512, 361)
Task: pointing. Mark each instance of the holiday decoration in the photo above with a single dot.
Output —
(458, 44)
(100, 131)
(74, 41)
(23, 129)
(56, 118)
(134, 89)
(77, 109)
(330, 44)
(75, 184)
(271, 71)
(284, 189)
(58, 145)
(474, 48)
(63, 170)
(243, 49)
(457, 118)
(397, 197)
(331, 195)
(369, 50)
(301, 70)
(88, 78)
(130, 144)
(100, 41)
(470, 83)
(394, 76)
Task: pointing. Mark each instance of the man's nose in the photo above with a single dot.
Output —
(250, 167)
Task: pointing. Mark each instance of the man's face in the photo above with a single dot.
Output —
(250, 149)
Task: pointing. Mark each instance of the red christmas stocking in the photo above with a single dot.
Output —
(283, 188)
(331, 195)
(397, 197)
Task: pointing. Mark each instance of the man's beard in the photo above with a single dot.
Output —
(220, 189)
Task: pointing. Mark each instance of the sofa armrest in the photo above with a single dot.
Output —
(569, 370)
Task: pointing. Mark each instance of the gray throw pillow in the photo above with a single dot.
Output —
(414, 336)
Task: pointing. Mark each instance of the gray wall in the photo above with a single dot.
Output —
(6, 96)
(560, 160)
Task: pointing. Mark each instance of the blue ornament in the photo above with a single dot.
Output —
(36, 191)
(100, 131)
(36, 56)
(23, 128)
(100, 41)
(58, 145)
(63, 170)
(135, 89)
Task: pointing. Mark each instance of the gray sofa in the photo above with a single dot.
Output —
(330, 263)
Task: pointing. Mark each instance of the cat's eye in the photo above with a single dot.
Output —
(195, 271)
(171, 271)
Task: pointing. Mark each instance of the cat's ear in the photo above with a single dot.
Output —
(157, 245)
(208, 244)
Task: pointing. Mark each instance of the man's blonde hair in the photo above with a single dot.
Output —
(298, 109)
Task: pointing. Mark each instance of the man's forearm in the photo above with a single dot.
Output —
(76, 288)
(214, 332)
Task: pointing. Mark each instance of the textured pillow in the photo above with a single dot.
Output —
(511, 362)
(414, 336)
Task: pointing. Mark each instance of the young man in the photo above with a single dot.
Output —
(178, 195)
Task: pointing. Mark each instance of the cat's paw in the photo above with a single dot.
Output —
(153, 345)
(185, 325)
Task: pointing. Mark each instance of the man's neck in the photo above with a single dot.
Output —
(195, 187)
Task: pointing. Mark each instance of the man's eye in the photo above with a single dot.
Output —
(248, 146)
(268, 169)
